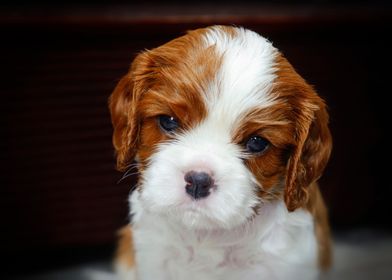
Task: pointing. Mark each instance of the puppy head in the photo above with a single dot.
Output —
(219, 123)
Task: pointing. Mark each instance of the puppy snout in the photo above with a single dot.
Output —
(198, 184)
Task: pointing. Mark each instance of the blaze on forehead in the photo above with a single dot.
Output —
(245, 75)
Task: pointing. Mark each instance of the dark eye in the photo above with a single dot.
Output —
(256, 144)
(167, 123)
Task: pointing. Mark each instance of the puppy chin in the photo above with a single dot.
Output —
(201, 216)
(230, 202)
(195, 219)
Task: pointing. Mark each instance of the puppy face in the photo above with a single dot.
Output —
(219, 123)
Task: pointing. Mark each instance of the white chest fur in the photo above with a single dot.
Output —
(276, 244)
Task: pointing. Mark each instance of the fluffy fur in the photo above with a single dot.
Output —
(264, 217)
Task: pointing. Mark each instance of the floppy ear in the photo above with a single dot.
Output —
(312, 152)
(123, 104)
(122, 110)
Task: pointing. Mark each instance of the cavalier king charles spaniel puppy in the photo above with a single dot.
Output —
(228, 141)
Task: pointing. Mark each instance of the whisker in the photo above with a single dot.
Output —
(130, 172)
(128, 175)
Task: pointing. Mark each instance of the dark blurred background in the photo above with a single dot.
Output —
(62, 201)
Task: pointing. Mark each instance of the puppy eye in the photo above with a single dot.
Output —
(256, 144)
(167, 123)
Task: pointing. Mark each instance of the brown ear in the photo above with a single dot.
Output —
(123, 105)
(123, 113)
(312, 152)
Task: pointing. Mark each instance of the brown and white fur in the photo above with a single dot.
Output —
(200, 105)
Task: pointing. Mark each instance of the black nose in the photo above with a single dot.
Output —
(198, 184)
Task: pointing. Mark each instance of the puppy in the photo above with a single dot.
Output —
(229, 142)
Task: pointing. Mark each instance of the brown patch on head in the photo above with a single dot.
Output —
(169, 80)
